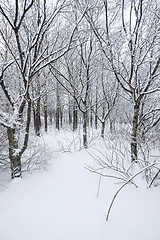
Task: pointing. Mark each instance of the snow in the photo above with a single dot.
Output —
(62, 204)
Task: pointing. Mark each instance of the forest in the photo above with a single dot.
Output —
(80, 65)
(80, 80)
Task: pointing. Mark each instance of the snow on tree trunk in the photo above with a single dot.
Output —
(15, 159)
(134, 150)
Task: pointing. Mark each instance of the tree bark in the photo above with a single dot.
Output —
(85, 115)
(45, 117)
(75, 116)
(58, 117)
(38, 117)
(134, 144)
(50, 117)
(103, 121)
(91, 117)
(103, 129)
(15, 153)
(15, 159)
(96, 108)
(69, 112)
(61, 116)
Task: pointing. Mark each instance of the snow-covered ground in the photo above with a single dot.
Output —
(62, 204)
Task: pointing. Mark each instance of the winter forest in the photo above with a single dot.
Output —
(80, 119)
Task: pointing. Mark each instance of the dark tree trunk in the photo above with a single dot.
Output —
(15, 159)
(96, 108)
(38, 118)
(103, 121)
(34, 116)
(61, 117)
(69, 112)
(36, 90)
(75, 117)
(87, 116)
(45, 119)
(134, 144)
(45, 109)
(58, 108)
(96, 120)
(112, 125)
(91, 117)
(58, 113)
(58, 118)
(70, 116)
(103, 129)
(51, 117)
(85, 143)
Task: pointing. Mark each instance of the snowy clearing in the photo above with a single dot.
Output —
(62, 204)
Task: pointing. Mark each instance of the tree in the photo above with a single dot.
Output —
(25, 56)
(77, 80)
(129, 41)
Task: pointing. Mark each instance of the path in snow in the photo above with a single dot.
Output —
(61, 204)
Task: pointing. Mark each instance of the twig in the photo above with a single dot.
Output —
(99, 183)
(129, 180)
(156, 175)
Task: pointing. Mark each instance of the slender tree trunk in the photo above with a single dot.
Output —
(61, 116)
(103, 121)
(85, 115)
(57, 117)
(112, 124)
(69, 112)
(58, 107)
(75, 116)
(91, 117)
(34, 108)
(45, 115)
(96, 108)
(134, 150)
(103, 129)
(38, 107)
(34, 116)
(51, 117)
(38, 118)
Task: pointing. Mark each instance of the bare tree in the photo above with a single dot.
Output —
(77, 81)
(129, 41)
(26, 56)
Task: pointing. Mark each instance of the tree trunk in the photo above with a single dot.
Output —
(45, 116)
(51, 117)
(85, 115)
(96, 108)
(134, 150)
(14, 152)
(111, 124)
(58, 107)
(38, 118)
(58, 118)
(91, 117)
(38, 106)
(61, 116)
(34, 116)
(102, 129)
(15, 159)
(69, 112)
(103, 121)
(75, 116)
